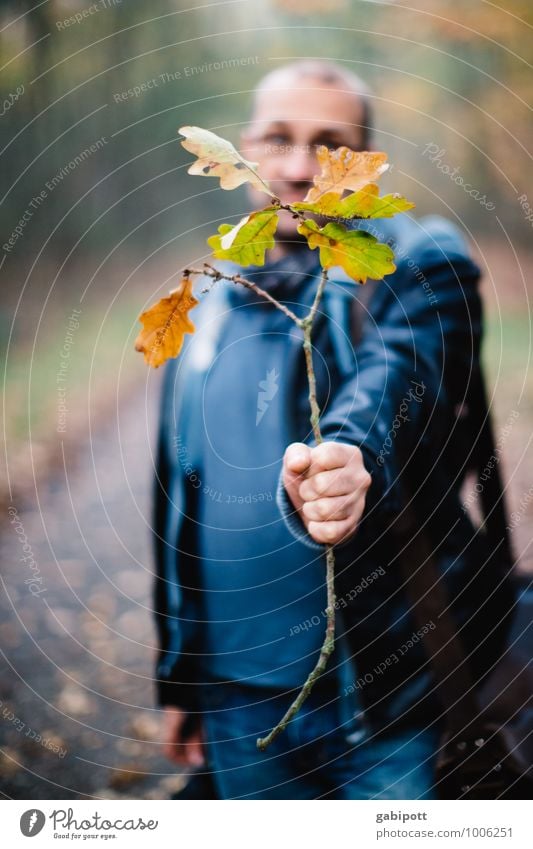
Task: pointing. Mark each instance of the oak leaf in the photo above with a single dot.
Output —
(357, 252)
(247, 241)
(165, 325)
(218, 158)
(345, 170)
(366, 203)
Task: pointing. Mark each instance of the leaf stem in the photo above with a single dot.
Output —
(265, 184)
(296, 213)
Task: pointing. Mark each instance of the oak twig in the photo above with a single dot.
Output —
(306, 324)
(329, 638)
(209, 271)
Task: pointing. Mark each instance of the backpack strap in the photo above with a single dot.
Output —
(492, 494)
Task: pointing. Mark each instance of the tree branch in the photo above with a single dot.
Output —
(306, 324)
(209, 271)
(329, 638)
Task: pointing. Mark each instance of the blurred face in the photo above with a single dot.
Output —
(286, 128)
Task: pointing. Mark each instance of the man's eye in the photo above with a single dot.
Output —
(276, 138)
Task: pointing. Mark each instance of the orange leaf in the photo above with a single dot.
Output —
(345, 170)
(165, 325)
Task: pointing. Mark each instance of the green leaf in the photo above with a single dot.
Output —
(365, 203)
(357, 252)
(247, 241)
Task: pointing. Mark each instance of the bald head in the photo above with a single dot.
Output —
(297, 109)
(319, 74)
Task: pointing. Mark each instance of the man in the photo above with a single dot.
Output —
(246, 500)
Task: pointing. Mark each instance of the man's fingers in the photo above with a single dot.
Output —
(173, 748)
(325, 509)
(195, 749)
(296, 461)
(301, 459)
(297, 458)
(332, 455)
(174, 752)
(326, 484)
(188, 752)
(331, 533)
(184, 752)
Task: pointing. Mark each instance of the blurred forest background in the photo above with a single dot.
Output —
(120, 220)
(102, 215)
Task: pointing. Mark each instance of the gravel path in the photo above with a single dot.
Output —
(77, 716)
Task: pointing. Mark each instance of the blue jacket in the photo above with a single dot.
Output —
(396, 395)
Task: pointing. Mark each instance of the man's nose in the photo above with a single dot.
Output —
(299, 164)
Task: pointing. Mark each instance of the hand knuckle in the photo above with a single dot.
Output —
(307, 509)
(317, 489)
(323, 510)
(363, 479)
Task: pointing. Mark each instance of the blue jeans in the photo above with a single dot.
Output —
(325, 752)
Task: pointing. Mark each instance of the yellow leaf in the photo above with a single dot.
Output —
(165, 325)
(345, 170)
(365, 203)
(247, 241)
(357, 252)
(218, 158)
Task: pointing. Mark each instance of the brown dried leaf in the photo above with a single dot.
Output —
(345, 170)
(165, 325)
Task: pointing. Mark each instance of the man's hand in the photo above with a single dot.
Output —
(189, 751)
(327, 485)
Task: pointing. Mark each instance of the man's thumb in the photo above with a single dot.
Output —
(297, 458)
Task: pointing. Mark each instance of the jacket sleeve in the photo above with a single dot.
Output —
(424, 321)
(175, 601)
